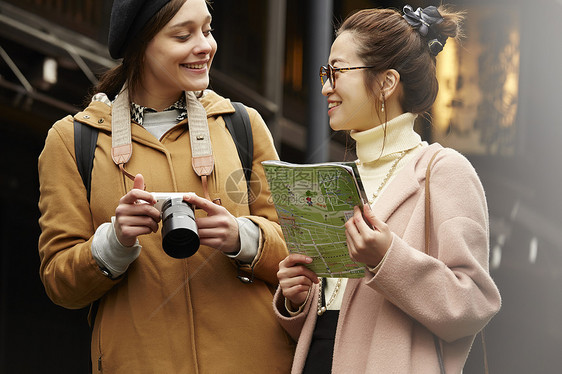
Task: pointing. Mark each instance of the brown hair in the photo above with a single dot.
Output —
(131, 70)
(386, 40)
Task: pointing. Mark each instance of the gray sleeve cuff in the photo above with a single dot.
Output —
(109, 253)
(249, 241)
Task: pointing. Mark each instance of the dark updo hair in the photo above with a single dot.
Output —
(386, 40)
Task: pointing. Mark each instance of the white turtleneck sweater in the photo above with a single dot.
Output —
(376, 157)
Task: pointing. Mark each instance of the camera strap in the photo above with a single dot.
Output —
(121, 143)
(237, 123)
(202, 158)
(202, 154)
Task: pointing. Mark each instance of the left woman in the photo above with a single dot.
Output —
(155, 313)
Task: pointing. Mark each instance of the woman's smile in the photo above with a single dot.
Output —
(196, 67)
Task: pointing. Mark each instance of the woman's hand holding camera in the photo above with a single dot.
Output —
(295, 278)
(136, 215)
(219, 229)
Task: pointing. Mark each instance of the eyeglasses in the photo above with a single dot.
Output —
(328, 73)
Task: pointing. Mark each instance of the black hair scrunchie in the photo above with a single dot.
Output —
(424, 20)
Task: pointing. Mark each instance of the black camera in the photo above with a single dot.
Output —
(179, 230)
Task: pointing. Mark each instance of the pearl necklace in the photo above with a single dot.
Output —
(321, 307)
(388, 175)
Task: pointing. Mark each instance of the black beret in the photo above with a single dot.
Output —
(128, 17)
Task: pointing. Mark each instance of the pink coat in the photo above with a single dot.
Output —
(386, 320)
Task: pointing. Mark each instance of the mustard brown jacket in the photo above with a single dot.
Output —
(164, 315)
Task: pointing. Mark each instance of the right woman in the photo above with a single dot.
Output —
(412, 312)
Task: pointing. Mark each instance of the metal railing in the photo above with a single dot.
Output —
(87, 17)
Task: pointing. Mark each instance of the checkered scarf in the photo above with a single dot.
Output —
(137, 111)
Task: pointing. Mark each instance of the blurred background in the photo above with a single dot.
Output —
(498, 105)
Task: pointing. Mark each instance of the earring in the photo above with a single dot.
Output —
(382, 107)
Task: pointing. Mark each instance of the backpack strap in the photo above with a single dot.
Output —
(85, 139)
(240, 128)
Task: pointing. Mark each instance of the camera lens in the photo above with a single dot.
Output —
(179, 230)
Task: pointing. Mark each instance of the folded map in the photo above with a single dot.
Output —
(313, 202)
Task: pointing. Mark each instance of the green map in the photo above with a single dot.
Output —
(313, 202)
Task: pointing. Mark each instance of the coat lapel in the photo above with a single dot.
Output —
(404, 184)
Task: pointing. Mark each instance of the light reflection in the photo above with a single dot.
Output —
(447, 75)
(475, 110)
(511, 85)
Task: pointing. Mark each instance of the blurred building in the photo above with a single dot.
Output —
(498, 105)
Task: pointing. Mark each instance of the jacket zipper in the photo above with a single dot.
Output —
(100, 354)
